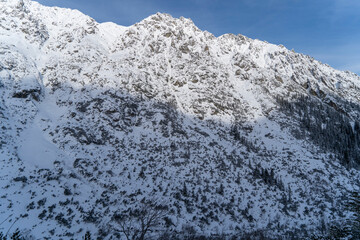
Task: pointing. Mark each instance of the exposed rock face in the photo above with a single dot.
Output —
(231, 134)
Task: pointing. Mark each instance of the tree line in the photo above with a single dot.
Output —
(327, 125)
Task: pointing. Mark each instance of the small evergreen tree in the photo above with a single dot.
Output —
(16, 235)
(2, 236)
(354, 207)
(87, 236)
(220, 190)
(184, 190)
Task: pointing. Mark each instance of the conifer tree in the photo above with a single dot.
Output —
(87, 236)
(2, 236)
(16, 235)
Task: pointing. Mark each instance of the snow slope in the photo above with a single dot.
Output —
(97, 118)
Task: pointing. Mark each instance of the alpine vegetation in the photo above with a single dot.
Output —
(160, 130)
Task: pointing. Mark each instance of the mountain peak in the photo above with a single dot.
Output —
(97, 120)
(20, 4)
(167, 19)
(160, 17)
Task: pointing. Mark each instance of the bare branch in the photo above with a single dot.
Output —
(137, 223)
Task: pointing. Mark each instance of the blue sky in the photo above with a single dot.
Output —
(328, 30)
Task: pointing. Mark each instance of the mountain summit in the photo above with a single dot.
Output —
(219, 136)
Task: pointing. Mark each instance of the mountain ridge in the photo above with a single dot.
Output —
(227, 131)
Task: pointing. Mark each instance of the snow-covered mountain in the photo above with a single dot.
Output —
(229, 134)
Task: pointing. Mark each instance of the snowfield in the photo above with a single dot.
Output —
(230, 135)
